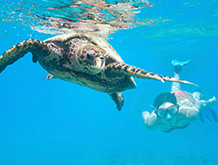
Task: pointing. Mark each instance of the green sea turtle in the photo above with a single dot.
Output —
(85, 59)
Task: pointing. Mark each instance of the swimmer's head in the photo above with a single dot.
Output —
(167, 110)
(166, 106)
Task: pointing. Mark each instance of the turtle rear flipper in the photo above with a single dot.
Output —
(19, 50)
(118, 99)
(129, 70)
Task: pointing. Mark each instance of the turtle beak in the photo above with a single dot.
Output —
(99, 62)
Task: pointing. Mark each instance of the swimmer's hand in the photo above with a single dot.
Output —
(212, 101)
(145, 116)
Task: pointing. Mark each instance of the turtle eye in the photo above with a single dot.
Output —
(89, 56)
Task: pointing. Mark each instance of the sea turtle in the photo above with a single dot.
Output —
(85, 59)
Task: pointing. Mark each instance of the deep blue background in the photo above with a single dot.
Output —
(57, 122)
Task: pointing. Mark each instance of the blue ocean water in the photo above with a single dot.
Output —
(56, 122)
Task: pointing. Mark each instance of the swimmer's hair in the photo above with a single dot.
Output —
(164, 97)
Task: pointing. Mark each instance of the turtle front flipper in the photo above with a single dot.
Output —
(19, 50)
(118, 99)
(129, 70)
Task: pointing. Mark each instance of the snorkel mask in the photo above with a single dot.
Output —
(167, 110)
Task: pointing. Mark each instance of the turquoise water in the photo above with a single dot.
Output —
(60, 123)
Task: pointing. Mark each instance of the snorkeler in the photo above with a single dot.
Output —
(176, 109)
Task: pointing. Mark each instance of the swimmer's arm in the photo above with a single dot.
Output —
(153, 122)
(201, 104)
(150, 120)
(189, 113)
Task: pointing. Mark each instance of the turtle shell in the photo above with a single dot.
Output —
(110, 82)
(93, 38)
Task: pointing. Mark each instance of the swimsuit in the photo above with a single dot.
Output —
(184, 94)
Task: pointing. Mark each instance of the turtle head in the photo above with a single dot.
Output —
(92, 59)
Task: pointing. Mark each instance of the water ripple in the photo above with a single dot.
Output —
(103, 16)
